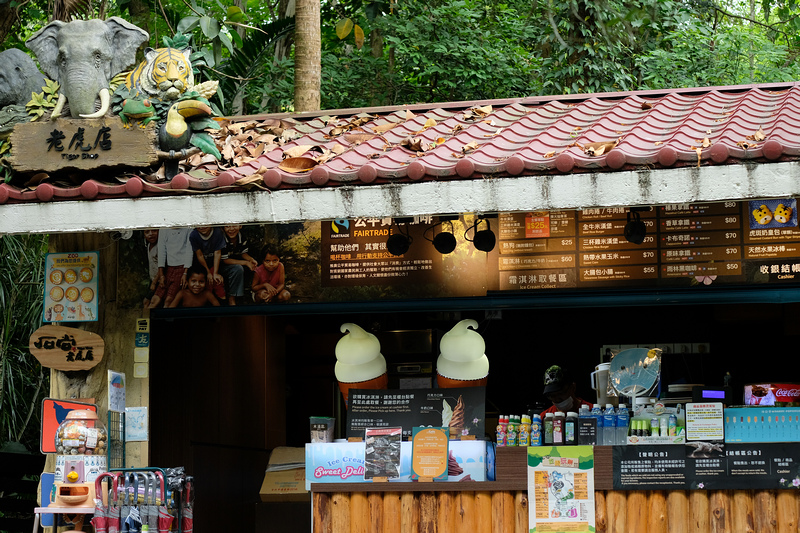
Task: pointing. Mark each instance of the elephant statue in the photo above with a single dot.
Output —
(19, 77)
(83, 56)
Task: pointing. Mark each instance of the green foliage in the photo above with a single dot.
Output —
(44, 100)
(22, 381)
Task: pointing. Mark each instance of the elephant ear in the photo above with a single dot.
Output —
(44, 44)
(125, 39)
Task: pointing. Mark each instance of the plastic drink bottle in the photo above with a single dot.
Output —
(623, 419)
(571, 428)
(597, 413)
(536, 431)
(548, 429)
(558, 429)
(609, 426)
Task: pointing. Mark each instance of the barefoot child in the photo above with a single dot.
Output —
(235, 259)
(269, 281)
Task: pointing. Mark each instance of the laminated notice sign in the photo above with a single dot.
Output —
(561, 489)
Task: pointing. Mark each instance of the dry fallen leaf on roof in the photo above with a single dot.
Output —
(238, 127)
(699, 153)
(383, 128)
(440, 140)
(746, 145)
(647, 105)
(577, 128)
(706, 142)
(469, 147)
(297, 165)
(338, 149)
(413, 143)
(296, 151)
(757, 136)
(409, 114)
(358, 138)
(597, 149)
(550, 154)
(457, 128)
(252, 179)
(457, 156)
(483, 110)
(658, 143)
(430, 123)
(374, 156)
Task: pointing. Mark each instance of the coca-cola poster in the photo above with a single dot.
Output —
(777, 394)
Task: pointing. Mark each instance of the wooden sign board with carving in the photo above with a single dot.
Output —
(83, 144)
(66, 349)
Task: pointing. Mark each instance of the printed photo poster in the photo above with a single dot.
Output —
(116, 391)
(561, 488)
(135, 424)
(70, 287)
(429, 453)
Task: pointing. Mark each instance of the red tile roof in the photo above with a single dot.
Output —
(531, 136)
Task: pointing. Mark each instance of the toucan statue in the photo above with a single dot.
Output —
(183, 128)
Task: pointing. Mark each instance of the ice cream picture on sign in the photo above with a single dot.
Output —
(359, 363)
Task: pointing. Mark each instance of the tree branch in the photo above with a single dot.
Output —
(752, 21)
(552, 22)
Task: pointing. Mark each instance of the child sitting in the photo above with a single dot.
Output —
(235, 259)
(269, 280)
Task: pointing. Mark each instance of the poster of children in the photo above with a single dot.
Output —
(561, 483)
(227, 265)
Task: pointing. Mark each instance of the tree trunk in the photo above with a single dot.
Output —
(8, 18)
(238, 100)
(308, 56)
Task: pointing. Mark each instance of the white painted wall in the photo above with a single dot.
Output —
(567, 191)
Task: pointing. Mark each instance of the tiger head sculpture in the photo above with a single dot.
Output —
(166, 73)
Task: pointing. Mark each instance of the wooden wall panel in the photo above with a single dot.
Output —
(427, 511)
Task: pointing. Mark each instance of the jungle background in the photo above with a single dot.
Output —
(395, 52)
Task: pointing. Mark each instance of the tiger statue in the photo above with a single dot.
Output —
(165, 73)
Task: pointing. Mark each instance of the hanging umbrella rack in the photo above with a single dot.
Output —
(151, 500)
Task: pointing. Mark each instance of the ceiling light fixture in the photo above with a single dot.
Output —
(444, 241)
(483, 240)
(399, 243)
(635, 230)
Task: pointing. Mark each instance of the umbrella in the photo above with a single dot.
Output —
(100, 520)
(187, 513)
(113, 507)
(164, 518)
(131, 521)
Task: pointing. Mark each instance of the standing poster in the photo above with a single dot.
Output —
(382, 453)
(70, 287)
(429, 453)
(561, 489)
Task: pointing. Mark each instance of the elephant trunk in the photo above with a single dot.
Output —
(82, 88)
(105, 100)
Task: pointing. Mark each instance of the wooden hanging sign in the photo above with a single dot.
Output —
(63, 348)
(84, 144)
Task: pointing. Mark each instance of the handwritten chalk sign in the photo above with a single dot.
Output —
(64, 348)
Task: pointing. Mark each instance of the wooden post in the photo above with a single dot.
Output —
(340, 513)
(359, 513)
(446, 512)
(375, 500)
(428, 513)
(322, 513)
(719, 504)
(698, 511)
(409, 512)
(600, 516)
(677, 511)
(508, 511)
(742, 511)
(657, 512)
(521, 512)
(484, 514)
(616, 503)
(637, 510)
(465, 513)
(787, 511)
(391, 512)
(765, 512)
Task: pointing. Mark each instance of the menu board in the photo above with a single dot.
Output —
(561, 489)
(684, 245)
(70, 287)
(705, 465)
(461, 410)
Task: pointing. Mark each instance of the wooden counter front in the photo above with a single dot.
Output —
(502, 506)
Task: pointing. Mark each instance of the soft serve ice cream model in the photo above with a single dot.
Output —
(462, 361)
(359, 363)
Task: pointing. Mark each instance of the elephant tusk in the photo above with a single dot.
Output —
(59, 106)
(105, 100)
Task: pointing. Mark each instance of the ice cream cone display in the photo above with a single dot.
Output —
(462, 361)
(359, 363)
(457, 421)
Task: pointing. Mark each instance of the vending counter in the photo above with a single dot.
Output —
(502, 505)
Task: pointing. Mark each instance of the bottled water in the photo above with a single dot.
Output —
(623, 419)
(609, 426)
(597, 414)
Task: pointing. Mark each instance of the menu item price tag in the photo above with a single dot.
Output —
(429, 453)
(705, 421)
